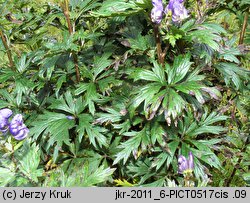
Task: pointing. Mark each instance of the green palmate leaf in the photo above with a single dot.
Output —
(48, 66)
(157, 75)
(170, 99)
(62, 79)
(7, 96)
(29, 159)
(82, 174)
(142, 169)
(173, 103)
(205, 37)
(117, 8)
(139, 42)
(90, 94)
(206, 155)
(112, 116)
(94, 133)
(179, 70)
(68, 104)
(160, 160)
(23, 86)
(246, 177)
(6, 176)
(83, 6)
(137, 138)
(230, 54)
(142, 74)
(55, 126)
(205, 125)
(87, 178)
(166, 158)
(99, 175)
(146, 92)
(173, 38)
(206, 33)
(22, 64)
(100, 64)
(6, 74)
(233, 74)
(157, 133)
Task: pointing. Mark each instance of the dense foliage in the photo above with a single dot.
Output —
(112, 92)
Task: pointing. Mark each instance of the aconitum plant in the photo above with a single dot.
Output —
(149, 93)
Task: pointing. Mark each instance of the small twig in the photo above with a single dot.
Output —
(7, 50)
(244, 26)
(75, 59)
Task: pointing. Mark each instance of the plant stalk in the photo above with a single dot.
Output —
(198, 9)
(244, 26)
(11, 63)
(75, 59)
(160, 54)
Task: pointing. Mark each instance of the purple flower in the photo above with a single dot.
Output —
(4, 119)
(179, 12)
(186, 165)
(70, 117)
(157, 11)
(182, 164)
(17, 128)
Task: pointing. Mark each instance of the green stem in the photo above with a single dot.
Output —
(7, 50)
(75, 59)
(244, 26)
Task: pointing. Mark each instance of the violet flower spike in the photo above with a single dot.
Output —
(4, 119)
(186, 165)
(179, 12)
(182, 164)
(17, 128)
(157, 11)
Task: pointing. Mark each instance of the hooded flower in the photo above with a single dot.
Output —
(157, 11)
(17, 128)
(4, 119)
(185, 165)
(179, 12)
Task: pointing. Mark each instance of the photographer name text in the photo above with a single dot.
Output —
(42, 195)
